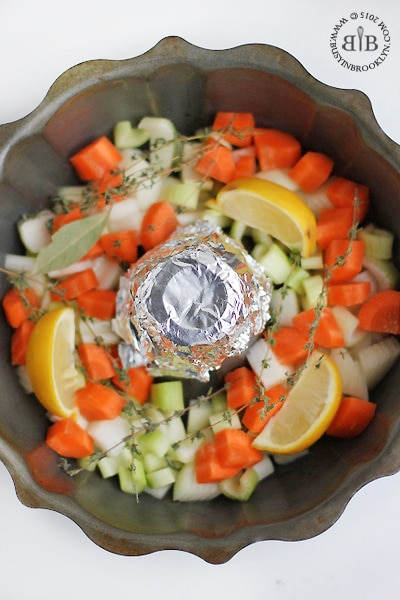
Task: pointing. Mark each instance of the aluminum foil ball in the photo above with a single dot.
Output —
(189, 304)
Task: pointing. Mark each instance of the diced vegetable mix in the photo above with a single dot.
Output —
(136, 189)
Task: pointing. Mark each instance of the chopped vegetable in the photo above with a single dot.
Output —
(158, 223)
(96, 361)
(217, 162)
(121, 246)
(352, 418)
(344, 192)
(349, 294)
(136, 383)
(99, 304)
(311, 171)
(381, 313)
(344, 259)
(75, 285)
(234, 449)
(333, 224)
(69, 439)
(257, 414)
(97, 402)
(327, 332)
(96, 160)
(238, 127)
(289, 345)
(276, 149)
(19, 342)
(19, 305)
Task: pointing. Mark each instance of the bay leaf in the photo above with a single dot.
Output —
(70, 243)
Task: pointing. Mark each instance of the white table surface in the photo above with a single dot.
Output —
(44, 555)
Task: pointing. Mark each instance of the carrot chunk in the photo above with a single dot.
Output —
(217, 162)
(344, 192)
(348, 294)
(242, 387)
(98, 304)
(245, 167)
(276, 149)
(75, 214)
(381, 313)
(344, 259)
(73, 286)
(352, 418)
(96, 361)
(137, 383)
(97, 402)
(239, 127)
(208, 468)
(96, 160)
(311, 171)
(289, 345)
(327, 331)
(19, 305)
(234, 449)
(257, 415)
(69, 439)
(334, 224)
(121, 246)
(19, 342)
(158, 223)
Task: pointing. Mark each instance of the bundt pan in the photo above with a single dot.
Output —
(189, 84)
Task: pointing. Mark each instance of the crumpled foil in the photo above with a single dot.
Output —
(189, 304)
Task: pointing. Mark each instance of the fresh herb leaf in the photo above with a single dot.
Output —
(70, 243)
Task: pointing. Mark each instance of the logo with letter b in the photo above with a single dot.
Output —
(361, 42)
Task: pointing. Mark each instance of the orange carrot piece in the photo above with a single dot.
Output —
(242, 387)
(19, 305)
(96, 160)
(98, 304)
(327, 331)
(121, 246)
(97, 402)
(311, 171)
(381, 313)
(344, 192)
(344, 259)
(217, 162)
(245, 167)
(234, 449)
(94, 252)
(137, 383)
(239, 126)
(334, 224)
(158, 223)
(348, 294)
(96, 361)
(352, 418)
(257, 415)
(289, 345)
(69, 439)
(276, 149)
(107, 189)
(207, 466)
(19, 342)
(64, 218)
(74, 285)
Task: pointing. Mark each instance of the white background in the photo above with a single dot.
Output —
(44, 555)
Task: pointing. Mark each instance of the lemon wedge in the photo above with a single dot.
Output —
(50, 362)
(308, 410)
(272, 208)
